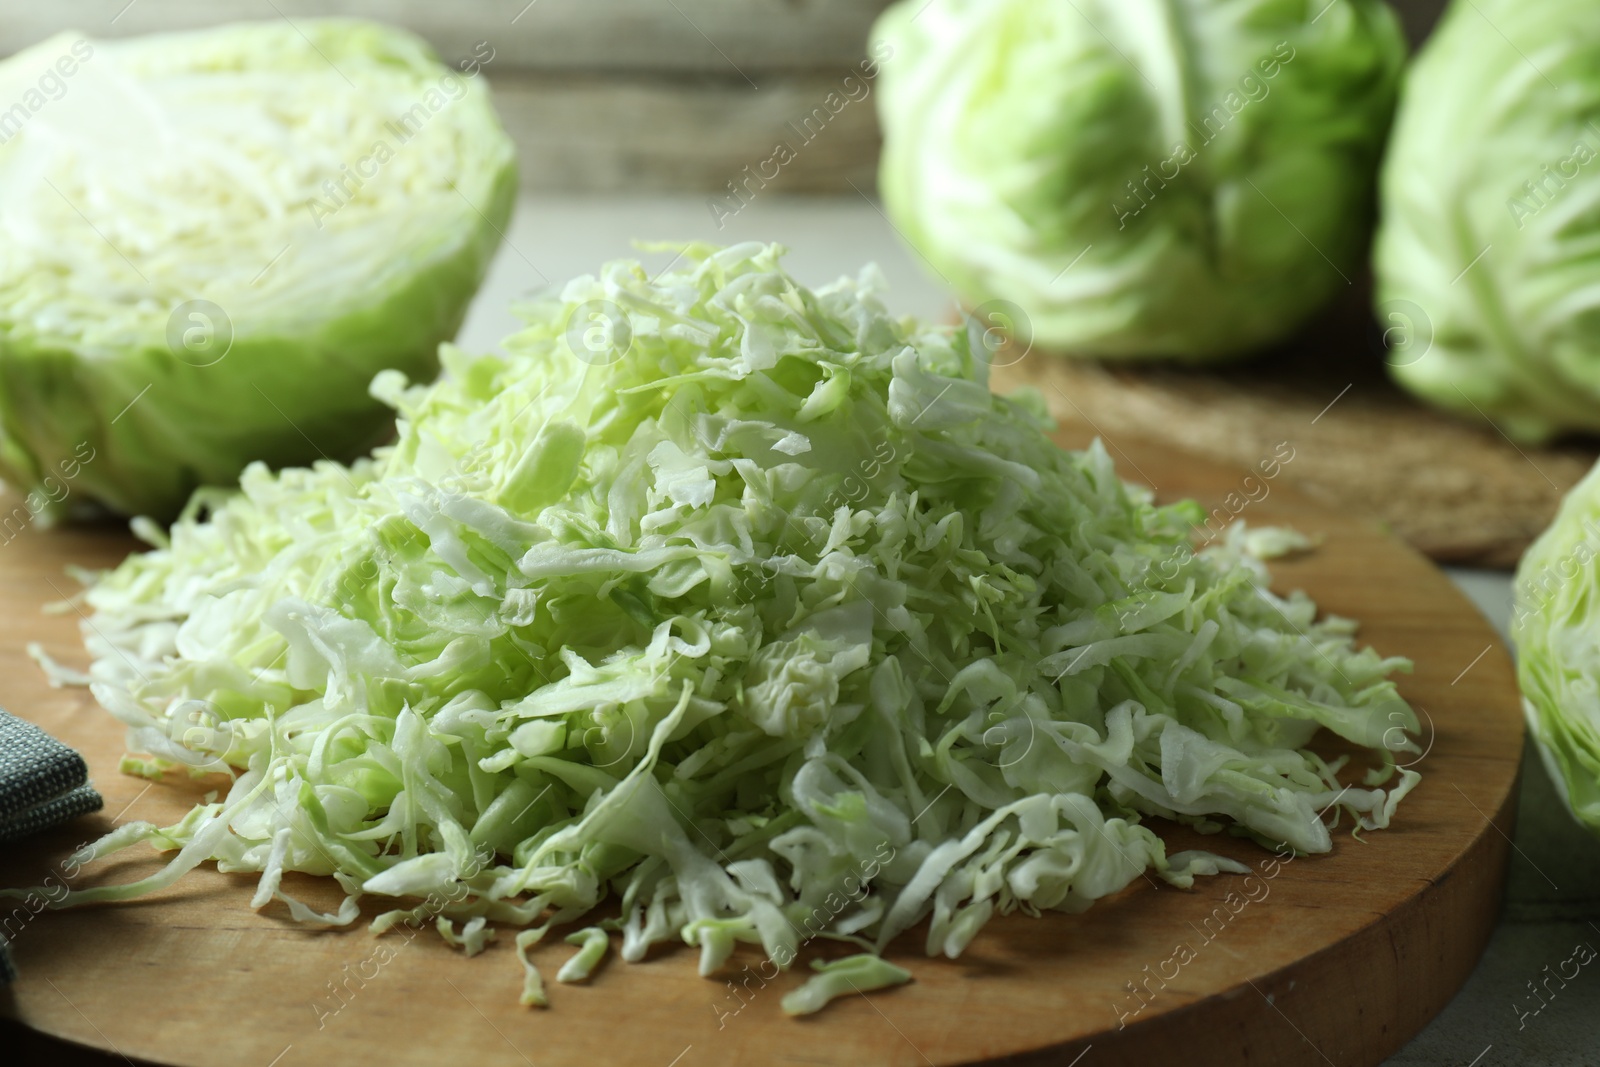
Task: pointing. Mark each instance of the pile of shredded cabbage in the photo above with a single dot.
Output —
(744, 605)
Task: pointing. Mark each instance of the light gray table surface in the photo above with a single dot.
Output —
(1553, 894)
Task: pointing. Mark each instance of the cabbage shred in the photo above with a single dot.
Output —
(763, 618)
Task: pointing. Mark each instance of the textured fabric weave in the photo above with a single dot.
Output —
(42, 783)
(56, 810)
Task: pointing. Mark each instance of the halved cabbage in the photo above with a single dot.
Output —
(211, 241)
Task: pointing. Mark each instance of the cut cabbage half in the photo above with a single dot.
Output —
(211, 241)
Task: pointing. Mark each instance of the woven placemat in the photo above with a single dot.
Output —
(1456, 489)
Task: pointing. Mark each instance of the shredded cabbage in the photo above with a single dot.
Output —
(854, 974)
(592, 944)
(744, 605)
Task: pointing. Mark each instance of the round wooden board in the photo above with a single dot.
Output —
(1326, 960)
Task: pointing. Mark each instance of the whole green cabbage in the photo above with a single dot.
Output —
(1557, 632)
(1488, 257)
(1143, 178)
(210, 242)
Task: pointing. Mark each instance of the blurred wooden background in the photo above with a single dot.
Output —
(606, 95)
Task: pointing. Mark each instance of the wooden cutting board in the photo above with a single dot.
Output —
(1334, 959)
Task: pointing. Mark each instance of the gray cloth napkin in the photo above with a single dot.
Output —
(42, 783)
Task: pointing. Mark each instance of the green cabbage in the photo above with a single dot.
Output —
(1557, 636)
(211, 241)
(1488, 257)
(1143, 178)
(746, 605)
